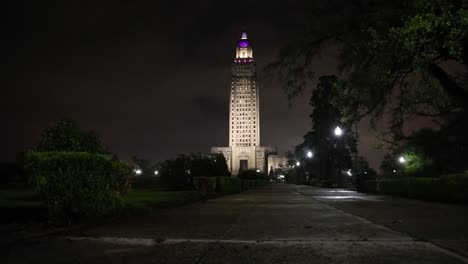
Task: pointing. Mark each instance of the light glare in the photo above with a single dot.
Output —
(338, 131)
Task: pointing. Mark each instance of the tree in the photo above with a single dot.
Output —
(67, 136)
(330, 153)
(178, 173)
(392, 56)
(389, 165)
(147, 169)
(361, 172)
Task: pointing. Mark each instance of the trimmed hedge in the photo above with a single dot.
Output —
(75, 183)
(253, 184)
(228, 185)
(215, 186)
(369, 186)
(447, 188)
(205, 185)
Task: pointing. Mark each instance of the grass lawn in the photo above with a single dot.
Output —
(24, 205)
(136, 198)
(19, 198)
(144, 198)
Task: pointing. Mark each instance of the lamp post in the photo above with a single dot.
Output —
(402, 161)
(310, 154)
(338, 132)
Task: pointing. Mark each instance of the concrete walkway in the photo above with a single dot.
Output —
(276, 224)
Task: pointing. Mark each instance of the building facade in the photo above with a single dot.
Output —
(244, 151)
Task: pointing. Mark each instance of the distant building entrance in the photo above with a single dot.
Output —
(243, 165)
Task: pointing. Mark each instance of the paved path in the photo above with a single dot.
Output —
(276, 224)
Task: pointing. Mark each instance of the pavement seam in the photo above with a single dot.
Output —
(429, 244)
(215, 243)
(151, 242)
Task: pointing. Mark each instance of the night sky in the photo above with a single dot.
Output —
(151, 77)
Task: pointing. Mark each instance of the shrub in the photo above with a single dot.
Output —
(228, 185)
(457, 184)
(174, 175)
(369, 186)
(123, 174)
(205, 185)
(74, 183)
(252, 184)
(327, 183)
(446, 188)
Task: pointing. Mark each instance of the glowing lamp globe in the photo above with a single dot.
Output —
(338, 131)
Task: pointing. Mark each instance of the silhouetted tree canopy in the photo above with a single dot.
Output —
(394, 54)
(67, 136)
(330, 151)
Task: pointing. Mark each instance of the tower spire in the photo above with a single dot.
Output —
(244, 50)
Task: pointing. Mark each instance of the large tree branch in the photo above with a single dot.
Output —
(453, 89)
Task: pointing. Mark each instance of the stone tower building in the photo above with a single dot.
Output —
(244, 151)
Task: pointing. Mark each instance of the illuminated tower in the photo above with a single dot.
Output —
(244, 104)
(244, 151)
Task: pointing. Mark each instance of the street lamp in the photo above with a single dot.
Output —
(138, 171)
(349, 173)
(402, 159)
(298, 164)
(338, 131)
(258, 171)
(310, 154)
(156, 172)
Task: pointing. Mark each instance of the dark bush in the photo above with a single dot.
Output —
(174, 174)
(74, 183)
(369, 186)
(253, 184)
(228, 185)
(211, 165)
(123, 174)
(327, 183)
(446, 188)
(205, 185)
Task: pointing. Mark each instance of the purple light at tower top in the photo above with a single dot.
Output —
(243, 43)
